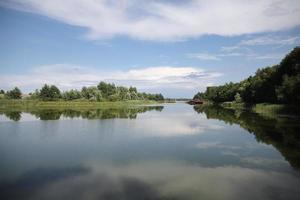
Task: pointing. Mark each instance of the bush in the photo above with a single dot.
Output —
(238, 98)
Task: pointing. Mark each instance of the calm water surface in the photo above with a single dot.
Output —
(168, 151)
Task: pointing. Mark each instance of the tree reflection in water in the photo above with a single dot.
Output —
(280, 131)
(13, 115)
(107, 113)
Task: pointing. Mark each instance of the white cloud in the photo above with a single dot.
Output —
(167, 20)
(246, 47)
(150, 78)
(231, 52)
(203, 56)
(213, 57)
(265, 56)
(230, 49)
(270, 40)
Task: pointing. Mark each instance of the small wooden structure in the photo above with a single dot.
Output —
(195, 102)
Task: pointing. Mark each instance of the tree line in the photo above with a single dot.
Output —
(102, 92)
(277, 84)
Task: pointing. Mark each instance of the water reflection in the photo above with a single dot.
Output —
(175, 153)
(107, 113)
(25, 186)
(12, 115)
(155, 180)
(78, 183)
(281, 132)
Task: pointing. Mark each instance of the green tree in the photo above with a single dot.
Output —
(106, 89)
(123, 93)
(276, 84)
(35, 94)
(289, 91)
(49, 92)
(14, 93)
(55, 92)
(71, 95)
(132, 89)
(84, 93)
(103, 91)
(91, 93)
(160, 97)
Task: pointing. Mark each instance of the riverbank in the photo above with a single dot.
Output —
(6, 104)
(264, 108)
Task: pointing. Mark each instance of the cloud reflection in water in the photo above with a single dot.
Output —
(152, 180)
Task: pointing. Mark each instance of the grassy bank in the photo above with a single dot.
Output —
(264, 108)
(36, 104)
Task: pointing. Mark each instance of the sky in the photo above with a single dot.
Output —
(173, 47)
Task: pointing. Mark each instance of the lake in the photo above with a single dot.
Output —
(165, 151)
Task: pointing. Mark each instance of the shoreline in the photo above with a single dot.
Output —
(78, 104)
(262, 108)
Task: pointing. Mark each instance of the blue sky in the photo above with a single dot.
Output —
(173, 47)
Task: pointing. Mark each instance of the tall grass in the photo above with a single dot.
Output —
(36, 104)
(264, 108)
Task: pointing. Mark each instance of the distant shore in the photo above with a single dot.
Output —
(38, 104)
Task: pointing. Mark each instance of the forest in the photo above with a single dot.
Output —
(276, 84)
(102, 92)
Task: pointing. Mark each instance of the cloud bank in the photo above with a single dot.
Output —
(154, 79)
(246, 48)
(167, 20)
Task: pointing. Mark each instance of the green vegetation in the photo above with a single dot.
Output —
(101, 93)
(281, 132)
(264, 108)
(26, 105)
(279, 84)
(13, 94)
(49, 93)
